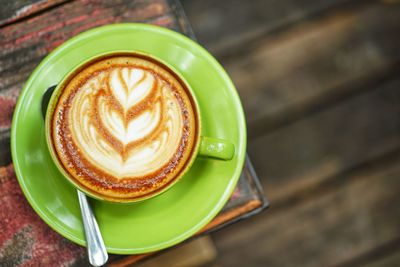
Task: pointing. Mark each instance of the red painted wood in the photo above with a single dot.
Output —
(6, 110)
(15, 10)
(25, 239)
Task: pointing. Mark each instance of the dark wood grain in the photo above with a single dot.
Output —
(225, 26)
(12, 11)
(304, 69)
(352, 217)
(26, 43)
(320, 92)
(313, 150)
(392, 259)
(315, 81)
(381, 255)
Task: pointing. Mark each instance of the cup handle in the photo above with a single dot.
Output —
(216, 148)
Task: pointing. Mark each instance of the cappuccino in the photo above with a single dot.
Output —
(124, 127)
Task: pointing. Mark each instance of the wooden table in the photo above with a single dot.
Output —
(322, 106)
(29, 30)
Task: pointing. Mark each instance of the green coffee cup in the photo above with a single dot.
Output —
(203, 146)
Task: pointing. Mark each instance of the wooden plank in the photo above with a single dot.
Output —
(312, 151)
(285, 77)
(25, 43)
(195, 253)
(382, 255)
(12, 11)
(392, 259)
(181, 18)
(225, 26)
(351, 217)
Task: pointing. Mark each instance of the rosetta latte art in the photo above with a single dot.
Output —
(127, 123)
(123, 127)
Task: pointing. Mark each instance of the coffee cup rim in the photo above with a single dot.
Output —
(57, 93)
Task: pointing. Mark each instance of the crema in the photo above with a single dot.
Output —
(124, 126)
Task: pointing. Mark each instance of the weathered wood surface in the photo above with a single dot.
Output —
(313, 150)
(304, 69)
(343, 221)
(25, 240)
(192, 254)
(314, 93)
(393, 259)
(225, 27)
(322, 100)
(284, 75)
(383, 255)
(196, 253)
(11, 11)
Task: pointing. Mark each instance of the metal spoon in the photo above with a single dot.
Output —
(96, 249)
(95, 246)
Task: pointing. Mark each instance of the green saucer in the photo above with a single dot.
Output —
(159, 222)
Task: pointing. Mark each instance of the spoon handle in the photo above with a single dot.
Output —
(95, 246)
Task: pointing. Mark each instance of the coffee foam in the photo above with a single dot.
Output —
(124, 127)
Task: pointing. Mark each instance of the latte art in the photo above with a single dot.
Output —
(128, 123)
(124, 127)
